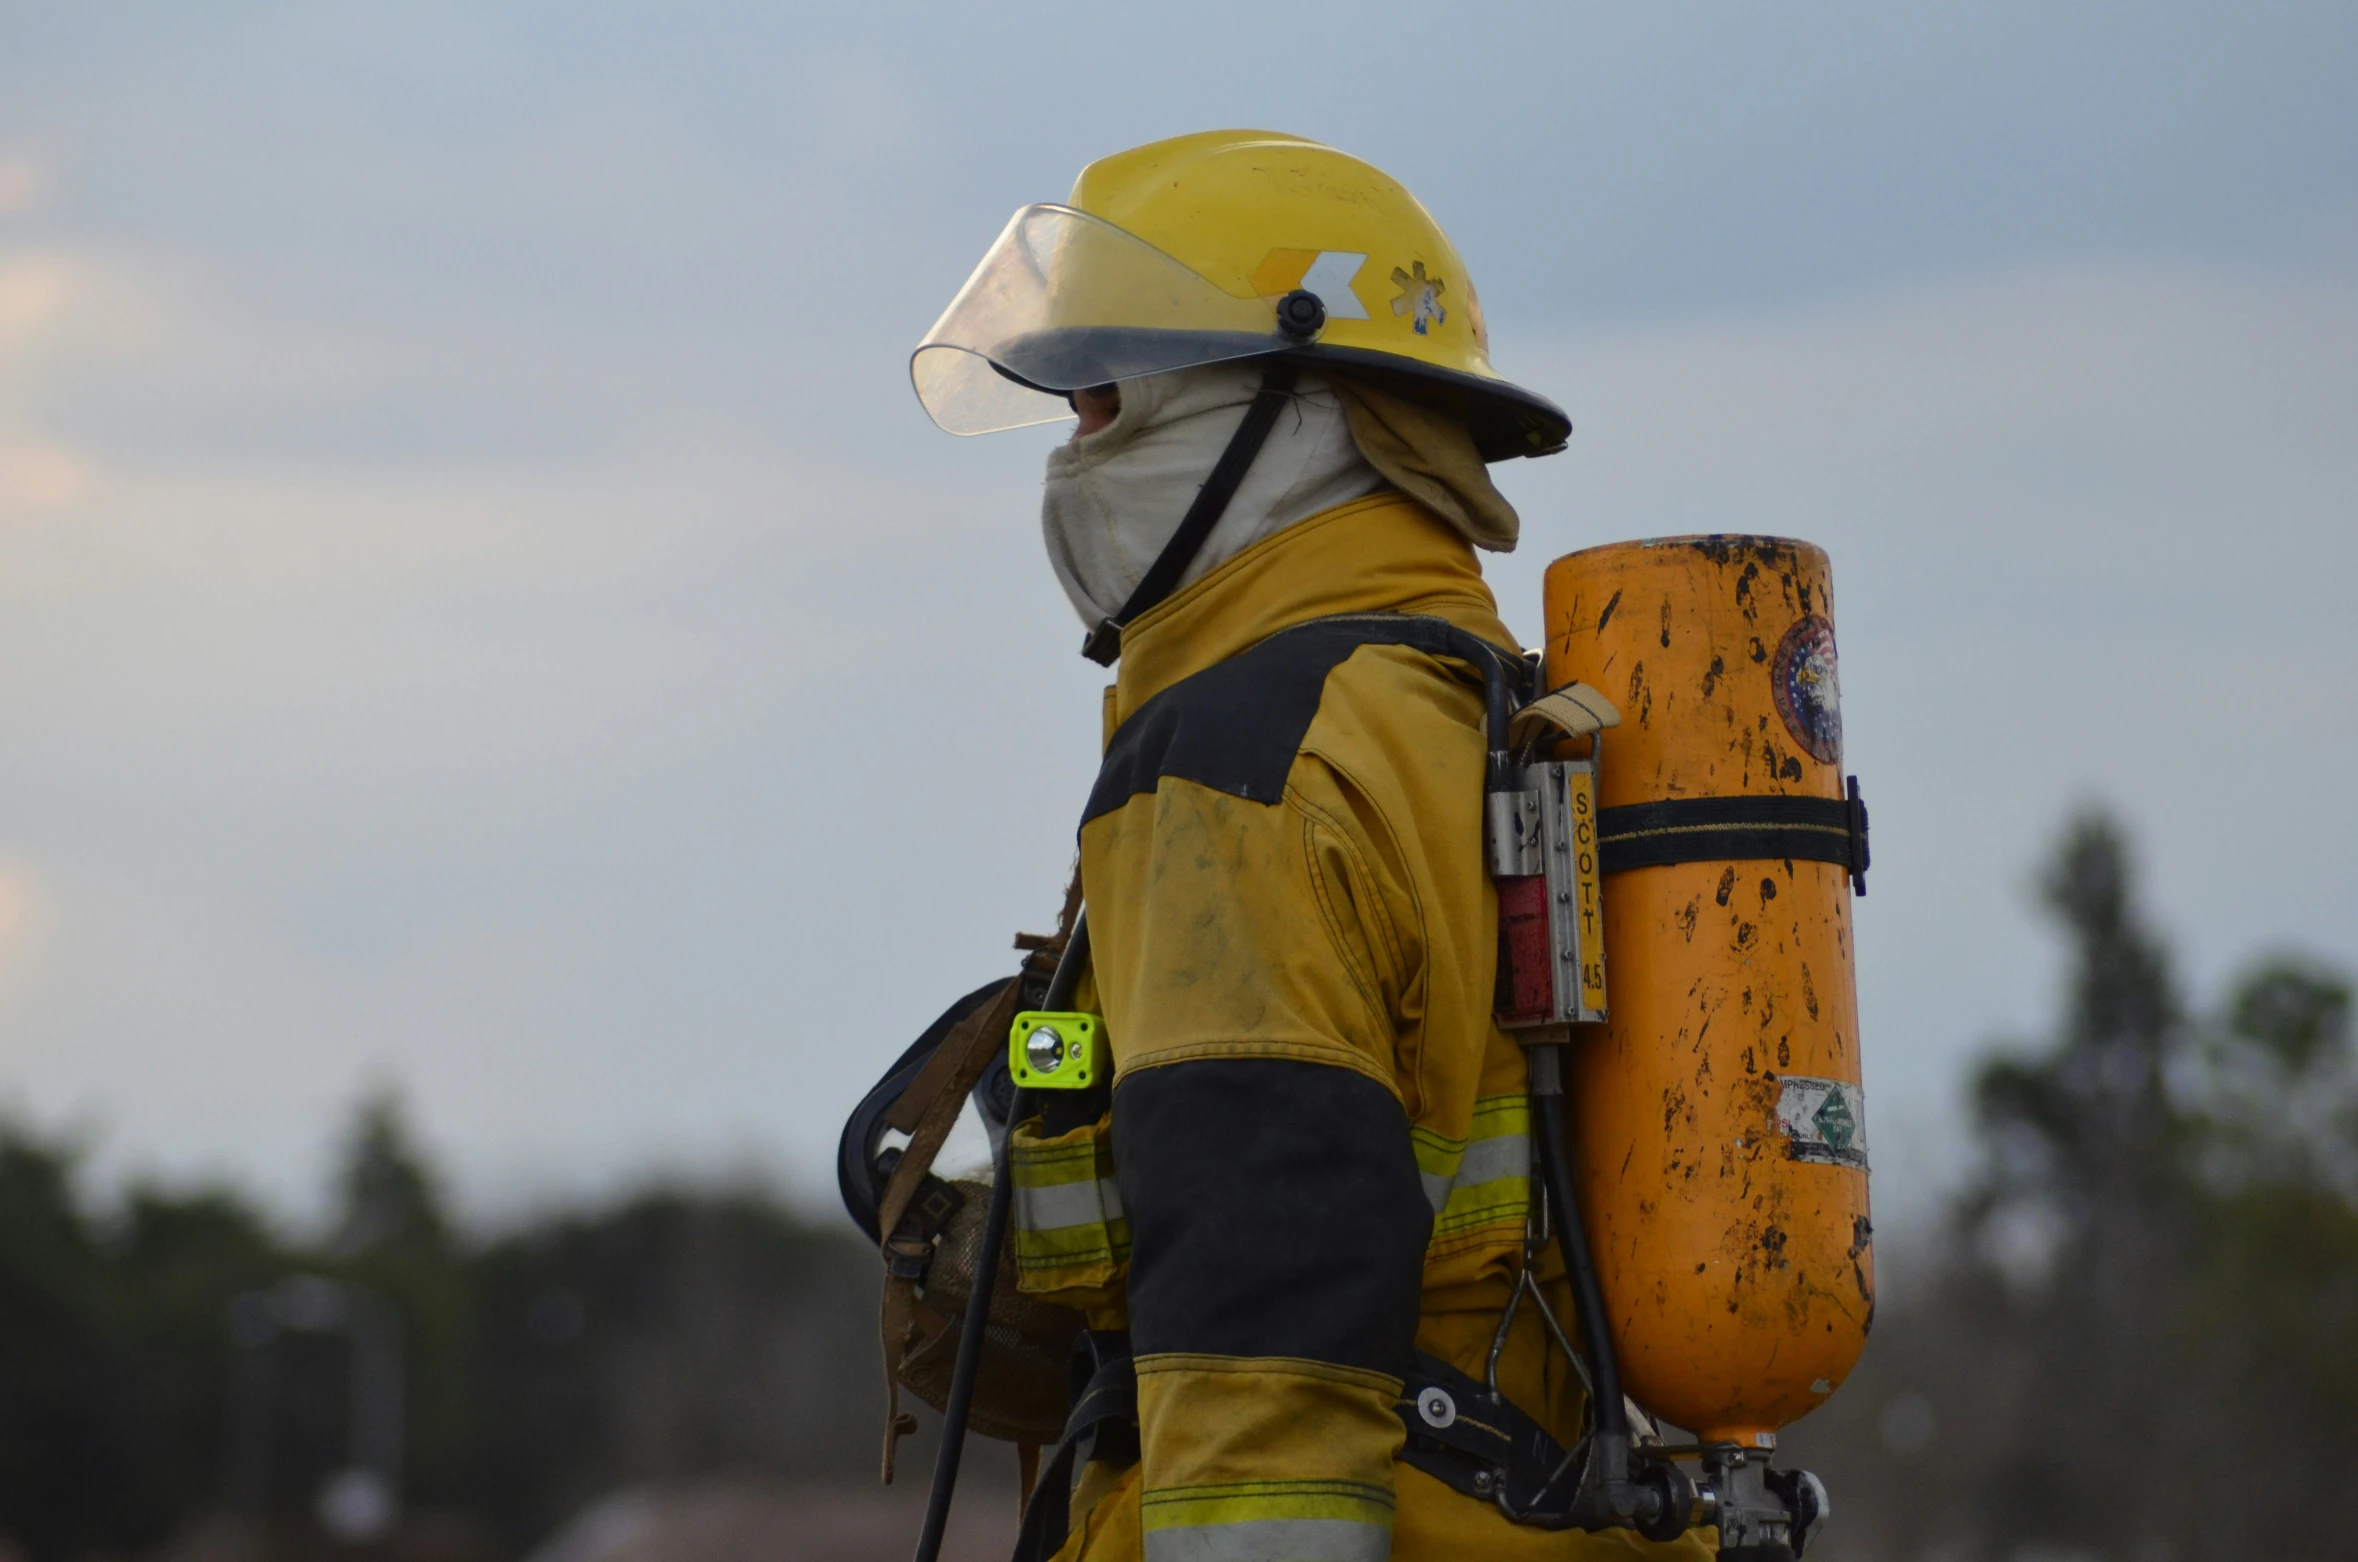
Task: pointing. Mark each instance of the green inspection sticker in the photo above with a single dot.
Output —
(1823, 1120)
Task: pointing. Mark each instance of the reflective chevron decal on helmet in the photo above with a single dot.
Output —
(1325, 272)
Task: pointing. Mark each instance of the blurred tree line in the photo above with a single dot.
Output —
(2139, 1339)
(675, 1333)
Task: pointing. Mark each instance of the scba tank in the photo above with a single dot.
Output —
(1720, 1132)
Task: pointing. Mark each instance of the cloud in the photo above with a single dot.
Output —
(867, 111)
(33, 290)
(20, 905)
(22, 184)
(41, 477)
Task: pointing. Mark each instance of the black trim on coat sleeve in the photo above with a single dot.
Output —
(1275, 1210)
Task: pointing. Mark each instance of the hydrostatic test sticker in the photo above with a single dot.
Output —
(1823, 1120)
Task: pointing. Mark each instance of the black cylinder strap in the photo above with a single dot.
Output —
(1736, 829)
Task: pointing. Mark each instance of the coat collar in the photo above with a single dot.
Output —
(1382, 554)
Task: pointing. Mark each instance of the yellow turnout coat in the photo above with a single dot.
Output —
(1317, 1158)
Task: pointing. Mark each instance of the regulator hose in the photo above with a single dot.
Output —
(986, 1274)
(1588, 1296)
(1657, 1501)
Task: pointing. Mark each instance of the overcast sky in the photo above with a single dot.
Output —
(480, 609)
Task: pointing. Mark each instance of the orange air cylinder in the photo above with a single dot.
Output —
(1719, 1132)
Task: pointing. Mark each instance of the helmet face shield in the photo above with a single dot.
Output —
(1063, 301)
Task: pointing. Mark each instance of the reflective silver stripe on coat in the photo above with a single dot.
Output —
(1485, 1160)
(1271, 1540)
(1062, 1204)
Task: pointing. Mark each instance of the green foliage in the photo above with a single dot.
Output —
(393, 1239)
(2144, 1341)
(110, 1366)
(675, 1334)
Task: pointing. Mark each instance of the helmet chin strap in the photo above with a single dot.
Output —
(1104, 645)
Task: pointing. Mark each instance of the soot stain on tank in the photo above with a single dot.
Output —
(1744, 598)
(1758, 652)
(1687, 916)
(1711, 676)
(1805, 1291)
(1666, 623)
(1606, 616)
(1862, 1235)
(1809, 991)
(1727, 886)
(1640, 696)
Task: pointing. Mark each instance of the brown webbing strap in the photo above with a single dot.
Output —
(926, 1112)
(926, 1089)
(939, 1092)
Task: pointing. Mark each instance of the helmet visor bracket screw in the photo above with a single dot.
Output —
(1301, 315)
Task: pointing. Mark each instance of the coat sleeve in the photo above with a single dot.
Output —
(1252, 960)
(1278, 1232)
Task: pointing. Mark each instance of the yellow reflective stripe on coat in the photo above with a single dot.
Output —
(1254, 1457)
(1069, 1225)
(1253, 1521)
(1482, 1180)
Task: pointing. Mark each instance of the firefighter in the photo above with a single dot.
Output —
(1316, 1158)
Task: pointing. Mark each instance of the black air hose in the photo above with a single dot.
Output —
(1588, 1295)
(986, 1275)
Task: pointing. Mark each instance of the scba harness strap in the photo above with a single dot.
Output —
(1459, 1431)
(1237, 725)
(1103, 1426)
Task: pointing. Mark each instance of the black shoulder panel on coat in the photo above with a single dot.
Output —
(1236, 726)
(1274, 1209)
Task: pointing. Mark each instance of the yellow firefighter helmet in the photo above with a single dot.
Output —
(1213, 247)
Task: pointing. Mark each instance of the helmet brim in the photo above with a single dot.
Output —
(1505, 419)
